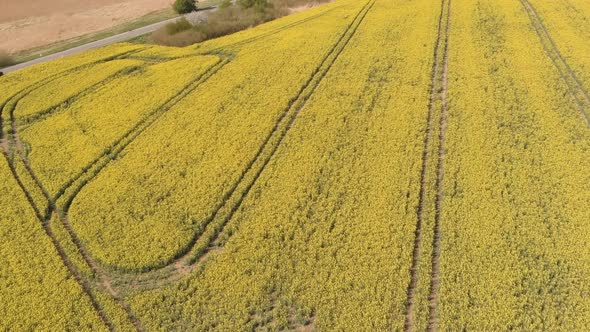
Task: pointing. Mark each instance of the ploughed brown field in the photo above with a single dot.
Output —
(32, 23)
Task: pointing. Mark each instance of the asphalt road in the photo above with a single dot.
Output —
(95, 44)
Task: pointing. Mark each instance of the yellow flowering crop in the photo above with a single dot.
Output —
(374, 165)
(199, 149)
(514, 222)
(81, 130)
(36, 289)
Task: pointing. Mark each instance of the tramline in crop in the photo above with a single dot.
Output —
(430, 194)
(16, 142)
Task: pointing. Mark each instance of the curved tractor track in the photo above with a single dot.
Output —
(198, 250)
(82, 282)
(431, 171)
(103, 280)
(11, 141)
(200, 243)
(13, 153)
(575, 86)
(21, 94)
(25, 122)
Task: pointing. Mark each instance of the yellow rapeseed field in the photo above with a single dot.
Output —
(358, 166)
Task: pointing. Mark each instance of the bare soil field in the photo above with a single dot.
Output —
(27, 24)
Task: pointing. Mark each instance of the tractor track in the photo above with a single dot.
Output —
(437, 94)
(6, 147)
(436, 240)
(219, 51)
(211, 244)
(104, 280)
(14, 140)
(24, 92)
(277, 135)
(93, 168)
(23, 123)
(224, 211)
(85, 286)
(575, 86)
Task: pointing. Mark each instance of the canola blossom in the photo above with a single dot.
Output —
(360, 165)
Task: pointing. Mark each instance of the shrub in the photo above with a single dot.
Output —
(179, 25)
(180, 39)
(179, 34)
(184, 6)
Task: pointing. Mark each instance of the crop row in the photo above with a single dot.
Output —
(66, 100)
(64, 143)
(162, 202)
(564, 30)
(514, 233)
(33, 276)
(323, 239)
(575, 85)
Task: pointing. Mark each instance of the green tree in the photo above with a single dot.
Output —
(184, 6)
